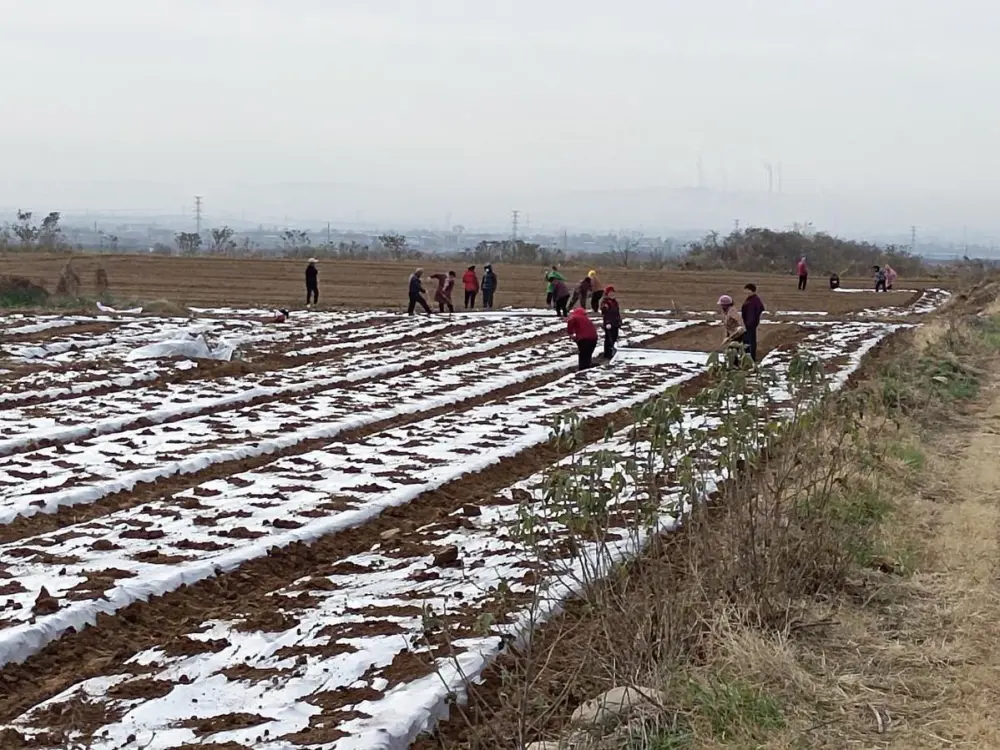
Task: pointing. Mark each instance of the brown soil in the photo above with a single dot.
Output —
(278, 283)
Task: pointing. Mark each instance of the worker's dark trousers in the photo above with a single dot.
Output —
(416, 299)
(488, 300)
(595, 300)
(562, 306)
(312, 295)
(879, 286)
(443, 303)
(802, 281)
(586, 351)
(548, 299)
(470, 300)
(610, 339)
(750, 342)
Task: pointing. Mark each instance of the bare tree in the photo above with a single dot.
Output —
(188, 242)
(394, 243)
(222, 240)
(659, 254)
(295, 239)
(625, 247)
(24, 230)
(50, 232)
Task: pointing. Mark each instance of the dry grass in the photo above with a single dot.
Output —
(893, 648)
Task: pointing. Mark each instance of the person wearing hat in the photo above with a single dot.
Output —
(583, 332)
(416, 290)
(312, 283)
(597, 291)
(732, 325)
(611, 317)
(489, 286)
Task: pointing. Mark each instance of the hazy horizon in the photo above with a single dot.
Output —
(877, 113)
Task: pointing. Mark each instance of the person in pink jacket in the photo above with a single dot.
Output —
(803, 271)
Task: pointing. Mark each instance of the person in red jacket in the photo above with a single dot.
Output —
(803, 271)
(471, 283)
(611, 316)
(583, 332)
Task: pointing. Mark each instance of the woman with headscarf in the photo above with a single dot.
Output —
(732, 327)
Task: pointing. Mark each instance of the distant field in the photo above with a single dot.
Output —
(382, 285)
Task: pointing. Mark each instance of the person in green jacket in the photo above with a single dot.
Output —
(551, 276)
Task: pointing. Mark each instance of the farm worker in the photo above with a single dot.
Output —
(489, 286)
(611, 316)
(890, 277)
(446, 283)
(560, 297)
(279, 316)
(583, 332)
(752, 310)
(582, 292)
(732, 322)
(803, 271)
(834, 281)
(471, 283)
(312, 283)
(879, 279)
(550, 277)
(596, 291)
(417, 292)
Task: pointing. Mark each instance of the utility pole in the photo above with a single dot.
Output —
(197, 214)
(565, 242)
(913, 238)
(513, 225)
(736, 225)
(328, 234)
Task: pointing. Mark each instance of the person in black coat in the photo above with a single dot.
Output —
(489, 287)
(752, 310)
(416, 291)
(312, 283)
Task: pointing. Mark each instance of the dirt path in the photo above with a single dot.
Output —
(956, 621)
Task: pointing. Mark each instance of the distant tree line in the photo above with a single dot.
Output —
(752, 249)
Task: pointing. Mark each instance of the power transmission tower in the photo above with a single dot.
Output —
(913, 239)
(197, 213)
(513, 225)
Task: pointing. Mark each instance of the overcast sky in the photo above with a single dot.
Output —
(462, 104)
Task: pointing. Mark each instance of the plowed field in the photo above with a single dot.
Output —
(217, 282)
(258, 553)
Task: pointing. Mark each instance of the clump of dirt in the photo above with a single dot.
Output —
(224, 723)
(17, 291)
(101, 283)
(69, 282)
